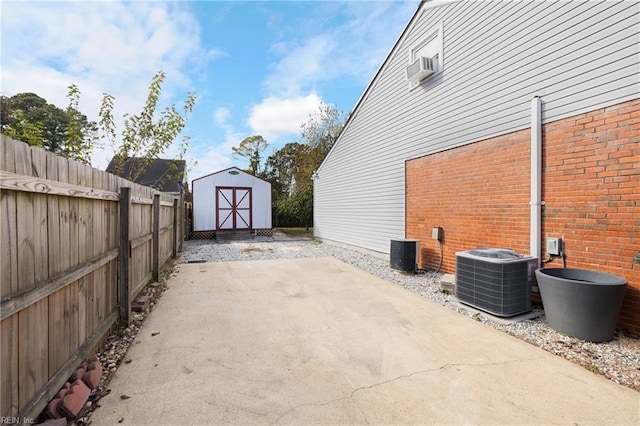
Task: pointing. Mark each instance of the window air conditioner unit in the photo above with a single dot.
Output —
(420, 69)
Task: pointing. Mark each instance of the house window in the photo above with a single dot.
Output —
(431, 46)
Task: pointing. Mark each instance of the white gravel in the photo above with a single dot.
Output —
(618, 360)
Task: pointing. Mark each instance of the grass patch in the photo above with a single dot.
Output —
(251, 250)
(297, 232)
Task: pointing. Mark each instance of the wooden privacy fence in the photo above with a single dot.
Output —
(77, 245)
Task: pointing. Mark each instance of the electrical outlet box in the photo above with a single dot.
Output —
(553, 246)
(436, 233)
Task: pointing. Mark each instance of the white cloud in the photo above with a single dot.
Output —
(210, 157)
(106, 40)
(213, 156)
(101, 47)
(301, 65)
(221, 115)
(353, 49)
(209, 161)
(275, 117)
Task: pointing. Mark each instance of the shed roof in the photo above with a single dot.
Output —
(228, 170)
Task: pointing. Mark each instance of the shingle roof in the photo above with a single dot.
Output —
(161, 174)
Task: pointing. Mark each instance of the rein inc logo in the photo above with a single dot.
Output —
(16, 421)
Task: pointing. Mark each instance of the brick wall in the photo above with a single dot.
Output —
(479, 194)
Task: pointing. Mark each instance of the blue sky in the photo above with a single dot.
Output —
(257, 67)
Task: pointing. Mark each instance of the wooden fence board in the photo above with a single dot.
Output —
(88, 218)
(22, 159)
(17, 301)
(90, 303)
(72, 318)
(7, 159)
(21, 183)
(32, 346)
(8, 243)
(102, 275)
(33, 349)
(85, 248)
(74, 205)
(82, 309)
(82, 217)
(65, 213)
(9, 226)
(40, 242)
(95, 213)
(9, 403)
(138, 287)
(39, 400)
(60, 232)
(53, 213)
(55, 301)
(25, 234)
(9, 400)
(111, 290)
(57, 349)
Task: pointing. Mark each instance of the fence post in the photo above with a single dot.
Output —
(182, 223)
(124, 252)
(174, 251)
(156, 237)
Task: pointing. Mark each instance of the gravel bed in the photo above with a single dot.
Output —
(618, 360)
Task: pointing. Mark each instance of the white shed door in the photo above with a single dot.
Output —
(233, 211)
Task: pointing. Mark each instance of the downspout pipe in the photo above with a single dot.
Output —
(536, 203)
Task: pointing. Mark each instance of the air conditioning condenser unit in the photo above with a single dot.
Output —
(495, 280)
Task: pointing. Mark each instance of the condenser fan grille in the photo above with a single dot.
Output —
(499, 286)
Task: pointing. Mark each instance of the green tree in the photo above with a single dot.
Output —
(322, 131)
(81, 136)
(251, 149)
(290, 169)
(23, 129)
(146, 135)
(31, 119)
(297, 207)
(282, 168)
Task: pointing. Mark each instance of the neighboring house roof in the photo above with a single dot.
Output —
(162, 174)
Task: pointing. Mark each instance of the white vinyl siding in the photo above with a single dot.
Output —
(577, 56)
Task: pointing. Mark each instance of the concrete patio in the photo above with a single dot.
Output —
(315, 341)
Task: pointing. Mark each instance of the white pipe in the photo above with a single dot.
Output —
(536, 179)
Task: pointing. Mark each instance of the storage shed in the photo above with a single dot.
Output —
(231, 200)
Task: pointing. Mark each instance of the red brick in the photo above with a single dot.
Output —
(590, 187)
(635, 159)
(51, 411)
(93, 375)
(73, 401)
(77, 375)
(63, 391)
(608, 114)
(141, 303)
